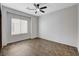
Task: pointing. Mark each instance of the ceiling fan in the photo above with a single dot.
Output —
(38, 8)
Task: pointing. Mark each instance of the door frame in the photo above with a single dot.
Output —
(0, 29)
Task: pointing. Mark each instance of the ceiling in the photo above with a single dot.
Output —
(51, 7)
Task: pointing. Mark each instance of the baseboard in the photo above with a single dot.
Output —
(37, 38)
(21, 40)
(57, 42)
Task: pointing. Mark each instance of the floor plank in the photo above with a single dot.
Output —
(38, 47)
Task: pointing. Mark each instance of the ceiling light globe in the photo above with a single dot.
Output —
(37, 9)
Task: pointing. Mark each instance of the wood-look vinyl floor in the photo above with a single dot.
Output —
(38, 47)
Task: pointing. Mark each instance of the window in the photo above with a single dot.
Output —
(18, 26)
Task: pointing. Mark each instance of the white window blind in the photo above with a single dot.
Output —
(19, 26)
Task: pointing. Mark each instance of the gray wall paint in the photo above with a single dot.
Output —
(6, 28)
(78, 29)
(60, 26)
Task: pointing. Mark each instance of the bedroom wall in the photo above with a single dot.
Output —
(60, 26)
(6, 34)
(78, 28)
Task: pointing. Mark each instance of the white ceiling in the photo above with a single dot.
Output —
(51, 7)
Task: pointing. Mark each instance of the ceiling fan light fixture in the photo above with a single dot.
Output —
(37, 9)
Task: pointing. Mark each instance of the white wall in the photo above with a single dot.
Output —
(78, 28)
(60, 26)
(6, 34)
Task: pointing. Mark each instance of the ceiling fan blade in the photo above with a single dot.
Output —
(30, 9)
(42, 11)
(35, 5)
(35, 12)
(43, 7)
(38, 5)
